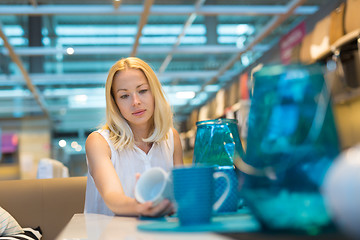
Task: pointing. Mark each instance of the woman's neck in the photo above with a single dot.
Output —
(140, 133)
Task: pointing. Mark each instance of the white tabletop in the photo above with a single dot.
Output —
(97, 226)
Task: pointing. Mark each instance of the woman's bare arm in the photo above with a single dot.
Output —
(178, 153)
(108, 183)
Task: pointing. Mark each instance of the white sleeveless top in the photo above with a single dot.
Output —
(127, 163)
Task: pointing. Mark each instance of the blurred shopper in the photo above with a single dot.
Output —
(138, 135)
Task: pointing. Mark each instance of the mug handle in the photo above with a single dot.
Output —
(225, 194)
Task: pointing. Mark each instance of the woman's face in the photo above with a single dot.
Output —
(133, 97)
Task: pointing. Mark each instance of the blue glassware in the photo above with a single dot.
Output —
(217, 142)
(292, 141)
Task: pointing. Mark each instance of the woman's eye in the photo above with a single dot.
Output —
(124, 96)
(143, 91)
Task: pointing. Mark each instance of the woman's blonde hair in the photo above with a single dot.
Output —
(120, 131)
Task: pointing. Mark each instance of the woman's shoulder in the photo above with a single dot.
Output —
(96, 145)
(96, 136)
(170, 138)
(96, 141)
(105, 133)
(99, 136)
(174, 132)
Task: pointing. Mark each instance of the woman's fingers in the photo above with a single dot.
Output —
(158, 210)
(137, 176)
(169, 210)
(163, 208)
(144, 208)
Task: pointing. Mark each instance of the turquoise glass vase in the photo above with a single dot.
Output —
(292, 141)
(217, 142)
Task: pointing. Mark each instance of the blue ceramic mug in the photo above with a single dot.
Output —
(194, 193)
(230, 203)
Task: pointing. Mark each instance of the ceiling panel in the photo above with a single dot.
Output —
(67, 47)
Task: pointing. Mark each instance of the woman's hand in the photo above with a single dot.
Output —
(147, 209)
(164, 208)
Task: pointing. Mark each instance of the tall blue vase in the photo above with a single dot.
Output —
(292, 141)
(217, 142)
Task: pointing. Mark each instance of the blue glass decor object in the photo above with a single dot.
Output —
(217, 142)
(292, 141)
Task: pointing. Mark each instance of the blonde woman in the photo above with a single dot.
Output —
(138, 135)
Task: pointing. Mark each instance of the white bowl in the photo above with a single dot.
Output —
(341, 191)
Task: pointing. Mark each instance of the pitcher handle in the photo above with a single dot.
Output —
(225, 194)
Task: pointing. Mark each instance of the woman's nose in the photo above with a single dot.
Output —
(136, 99)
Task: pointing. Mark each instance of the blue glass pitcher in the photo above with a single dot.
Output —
(292, 141)
(217, 142)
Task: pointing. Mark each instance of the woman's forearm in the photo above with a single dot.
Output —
(120, 204)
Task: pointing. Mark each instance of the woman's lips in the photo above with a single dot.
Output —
(138, 113)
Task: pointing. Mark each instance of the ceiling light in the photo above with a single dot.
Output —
(240, 42)
(16, 41)
(186, 95)
(70, 51)
(62, 143)
(78, 148)
(173, 29)
(12, 31)
(244, 29)
(245, 60)
(89, 30)
(46, 41)
(74, 144)
(235, 29)
(95, 40)
(81, 98)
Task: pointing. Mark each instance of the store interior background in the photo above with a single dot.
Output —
(55, 55)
